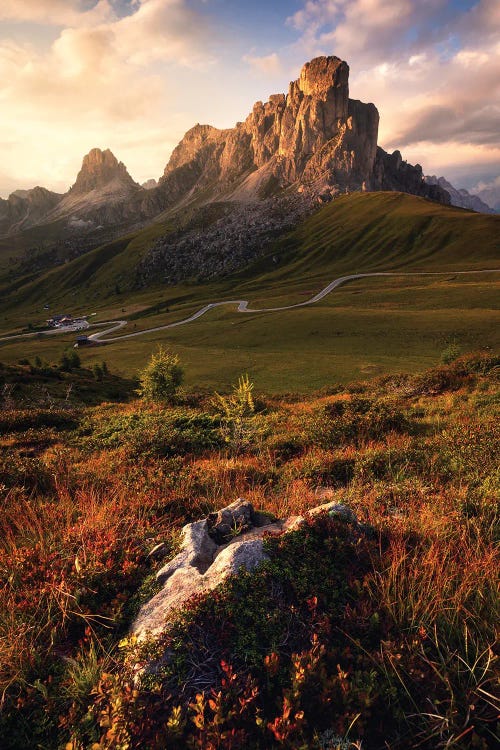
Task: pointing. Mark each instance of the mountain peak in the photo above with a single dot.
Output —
(99, 168)
(319, 76)
(314, 137)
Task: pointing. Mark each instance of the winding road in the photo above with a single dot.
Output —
(242, 306)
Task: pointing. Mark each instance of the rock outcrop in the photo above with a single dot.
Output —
(26, 208)
(391, 172)
(315, 138)
(460, 197)
(315, 133)
(102, 194)
(211, 550)
(99, 170)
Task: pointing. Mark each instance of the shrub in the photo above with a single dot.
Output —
(161, 378)
(25, 472)
(19, 420)
(174, 434)
(98, 372)
(354, 421)
(450, 354)
(69, 361)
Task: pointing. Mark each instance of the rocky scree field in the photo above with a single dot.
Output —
(375, 630)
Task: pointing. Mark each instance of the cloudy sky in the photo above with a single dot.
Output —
(134, 75)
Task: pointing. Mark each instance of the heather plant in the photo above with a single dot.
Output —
(377, 635)
(354, 421)
(25, 472)
(160, 433)
(175, 433)
(20, 420)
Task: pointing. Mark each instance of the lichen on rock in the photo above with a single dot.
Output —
(212, 549)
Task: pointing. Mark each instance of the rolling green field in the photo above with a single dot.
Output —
(369, 326)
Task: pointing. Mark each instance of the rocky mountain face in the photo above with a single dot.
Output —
(461, 198)
(315, 138)
(149, 184)
(315, 132)
(26, 208)
(99, 170)
(101, 196)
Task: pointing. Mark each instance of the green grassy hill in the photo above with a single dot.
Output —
(361, 231)
(371, 325)
(391, 231)
(99, 272)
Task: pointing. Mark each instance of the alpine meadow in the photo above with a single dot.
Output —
(249, 408)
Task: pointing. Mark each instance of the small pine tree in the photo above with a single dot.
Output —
(64, 363)
(69, 361)
(74, 359)
(237, 409)
(97, 371)
(161, 378)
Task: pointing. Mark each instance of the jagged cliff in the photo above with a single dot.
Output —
(314, 138)
(315, 133)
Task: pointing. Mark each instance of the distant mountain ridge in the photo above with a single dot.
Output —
(315, 139)
(490, 194)
(460, 197)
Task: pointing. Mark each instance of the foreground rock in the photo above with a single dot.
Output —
(211, 550)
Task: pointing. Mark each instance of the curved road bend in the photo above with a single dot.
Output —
(242, 304)
(56, 331)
